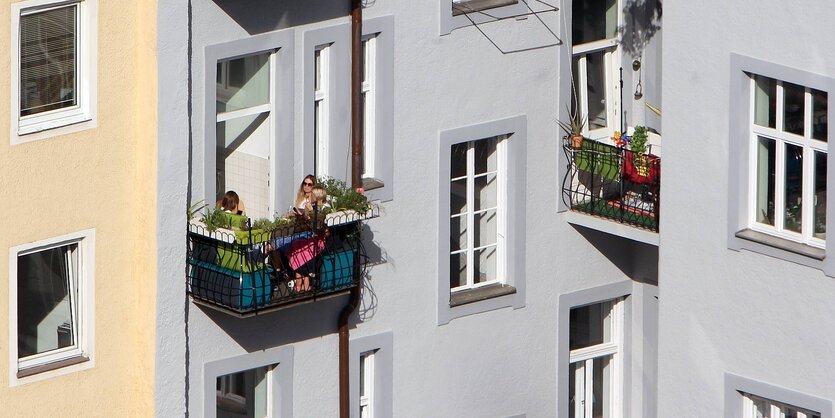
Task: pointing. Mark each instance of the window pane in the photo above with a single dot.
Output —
(317, 65)
(243, 394)
(793, 108)
(575, 399)
(765, 102)
(794, 188)
(596, 89)
(48, 60)
(819, 123)
(485, 224)
(602, 387)
(247, 83)
(44, 301)
(458, 196)
(766, 157)
(457, 270)
(593, 20)
(820, 195)
(590, 325)
(761, 408)
(486, 265)
(486, 156)
(458, 233)
(486, 192)
(458, 160)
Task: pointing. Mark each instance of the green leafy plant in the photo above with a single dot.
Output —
(343, 197)
(638, 140)
(215, 218)
(194, 209)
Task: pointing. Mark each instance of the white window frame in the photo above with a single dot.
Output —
(69, 359)
(321, 114)
(501, 214)
(586, 356)
(782, 139)
(775, 409)
(228, 387)
(59, 121)
(367, 399)
(369, 93)
(612, 57)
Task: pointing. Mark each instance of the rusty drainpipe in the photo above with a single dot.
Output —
(356, 181)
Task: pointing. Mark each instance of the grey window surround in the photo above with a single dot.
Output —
(282, 43)
(735, 385)
(584, 297)
(448, 22)
(282, 377)
(383, 345)
(516, 155)
(739, 236)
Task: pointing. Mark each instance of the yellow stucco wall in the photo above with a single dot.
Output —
(103, 178)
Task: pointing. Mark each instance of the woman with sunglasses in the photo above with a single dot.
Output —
(304, 198)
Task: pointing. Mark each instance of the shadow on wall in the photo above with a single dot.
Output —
(635, 259)
(260, 16)
(643, 22)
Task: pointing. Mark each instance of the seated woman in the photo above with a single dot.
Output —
(231, 203)
(302, 255)
(303, 196)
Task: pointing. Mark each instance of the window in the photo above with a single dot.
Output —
(321, 64)
(244, 394)
(595, 337)
(244, 107)
(51, 304)
(369, 104)
(595, 58)
(789, 147)
(757, 407)
(481, 178)
(253, 385)
(367, 385)
(477, 213)
(52, 65)
(370, 371)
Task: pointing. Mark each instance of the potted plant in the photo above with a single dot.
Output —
(573, 128)
(638, 166)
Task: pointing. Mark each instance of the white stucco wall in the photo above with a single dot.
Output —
(724, 311)
(496, 363)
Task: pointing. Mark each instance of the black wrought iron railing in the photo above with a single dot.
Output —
(249, 271)
(613, 183)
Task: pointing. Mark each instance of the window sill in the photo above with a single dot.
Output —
(370, 183)
(482, 293)
(782, 244)
(51, 366)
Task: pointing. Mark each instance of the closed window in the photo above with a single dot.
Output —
(477, 213)
(369, 104)
(789, 146)
(367, 385)
(52, 65)
(321, 102)
(757, 407)
(594, 360)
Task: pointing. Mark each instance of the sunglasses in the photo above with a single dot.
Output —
(307, 184)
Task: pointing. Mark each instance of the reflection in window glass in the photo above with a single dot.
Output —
(793, 193)
(48, 51)
(593, 20)
(46, 300)
(596, 89)
(243, 82)
(766, 158)
(765, 101)
(820, 129)
(820, 195)
(793, 108)
(475, 206)
(244, 394)
(590, 325)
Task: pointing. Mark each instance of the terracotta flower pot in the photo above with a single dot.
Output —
(576, 141)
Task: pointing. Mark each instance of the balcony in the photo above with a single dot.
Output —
(244, 273)
(612, 183)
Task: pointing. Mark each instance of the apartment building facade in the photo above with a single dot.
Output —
(747, 270)
(487, 290)
(79, 174)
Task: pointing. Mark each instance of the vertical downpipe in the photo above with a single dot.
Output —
(356, 181)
